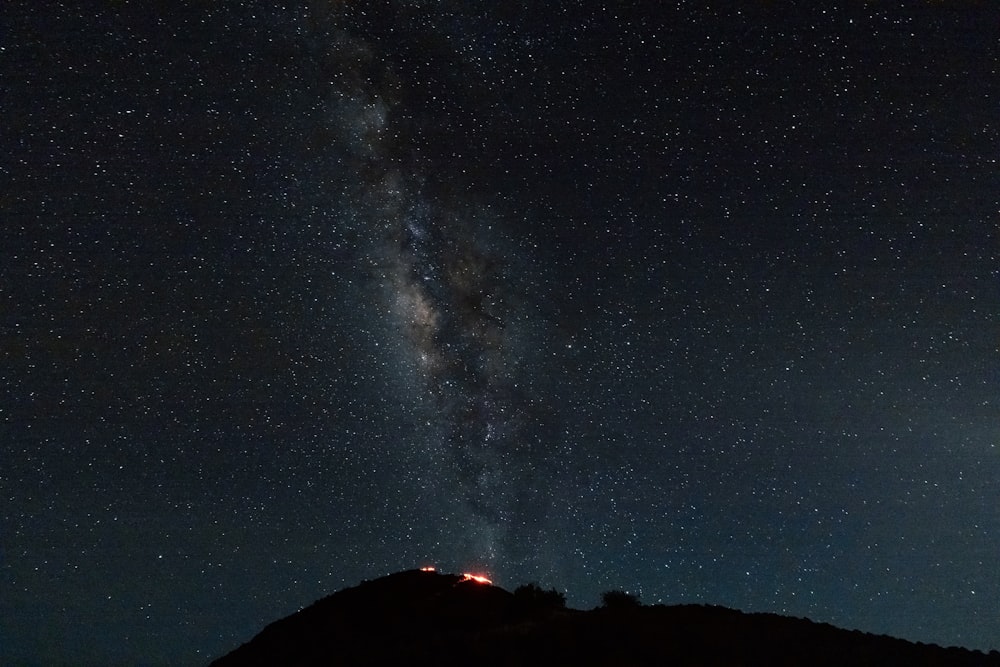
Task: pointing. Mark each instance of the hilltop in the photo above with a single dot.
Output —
(424, 617)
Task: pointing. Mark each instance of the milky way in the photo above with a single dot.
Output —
(439, 263)
(453, 317)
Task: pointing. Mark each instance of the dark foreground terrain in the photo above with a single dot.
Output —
(418, 617)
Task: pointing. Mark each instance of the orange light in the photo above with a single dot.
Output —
(479, 579)
(428, 569)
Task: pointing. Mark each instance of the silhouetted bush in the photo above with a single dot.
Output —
(532, 596)
(619, 600)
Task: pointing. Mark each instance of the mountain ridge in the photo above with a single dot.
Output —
(426, 617)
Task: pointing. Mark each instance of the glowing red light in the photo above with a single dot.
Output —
(479, 579)
(428, 569)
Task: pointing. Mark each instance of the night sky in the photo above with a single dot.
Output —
(703, 305)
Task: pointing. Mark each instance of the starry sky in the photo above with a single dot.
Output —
(696, 303)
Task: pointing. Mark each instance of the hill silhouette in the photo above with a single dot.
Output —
(419, 617)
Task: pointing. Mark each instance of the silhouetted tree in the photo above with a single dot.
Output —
(619, 600)
(532, 596)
